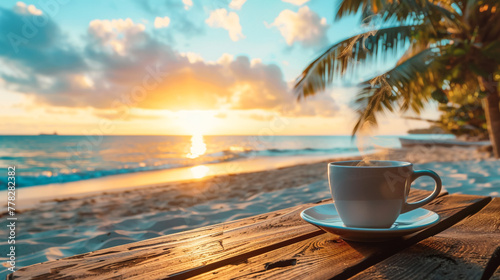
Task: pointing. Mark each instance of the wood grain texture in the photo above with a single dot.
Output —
(159, 257)
(186, 254)
(329, 257)
(464, 251)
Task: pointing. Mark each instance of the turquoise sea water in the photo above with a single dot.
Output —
(50, 159)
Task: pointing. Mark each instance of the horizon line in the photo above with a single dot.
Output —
(210, 134)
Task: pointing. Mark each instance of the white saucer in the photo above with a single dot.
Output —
(325, 217)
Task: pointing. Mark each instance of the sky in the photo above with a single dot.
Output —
(172, 67)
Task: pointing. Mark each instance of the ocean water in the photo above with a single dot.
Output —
(47, 159)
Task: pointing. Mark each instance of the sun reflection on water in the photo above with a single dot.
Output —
(199, 171)
(198, 146)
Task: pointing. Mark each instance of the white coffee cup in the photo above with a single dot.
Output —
(374, 194)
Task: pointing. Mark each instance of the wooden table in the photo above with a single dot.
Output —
(465, 244)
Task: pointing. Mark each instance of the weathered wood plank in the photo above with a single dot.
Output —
(329, 257)
(159, 258)
(460, 252)
(186, 254)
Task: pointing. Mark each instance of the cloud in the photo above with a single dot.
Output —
(183, 22)
(22, 8)
(192, 57)
(115, 33)
(296, 2)
(304, 27)
(318, 105)
(255, 61)
(123, 66)
(260, 116)
(187, 4)
(236, 4)
(35, 55)
(125, 116)
(220, 18)
(225, 58)
(162, 22)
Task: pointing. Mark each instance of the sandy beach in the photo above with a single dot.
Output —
(57, 228)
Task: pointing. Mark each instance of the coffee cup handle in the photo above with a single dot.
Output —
(437, 189)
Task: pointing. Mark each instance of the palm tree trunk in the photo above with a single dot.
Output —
(492, 112)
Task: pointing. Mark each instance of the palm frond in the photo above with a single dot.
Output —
(348, 7)
(345, 57)
(404, 10)
(448, 45)
(407, 83)
(399, 10)
(444, 15)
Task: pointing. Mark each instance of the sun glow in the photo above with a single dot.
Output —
(196, 122)
(199, 171)
(198, 146)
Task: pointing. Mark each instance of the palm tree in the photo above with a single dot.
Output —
(451, 47)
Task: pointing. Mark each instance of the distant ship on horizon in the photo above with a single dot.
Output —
(45, 134)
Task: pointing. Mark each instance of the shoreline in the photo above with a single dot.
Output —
(221, 174)
(157, 178)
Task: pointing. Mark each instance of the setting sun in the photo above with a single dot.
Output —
(195, 122)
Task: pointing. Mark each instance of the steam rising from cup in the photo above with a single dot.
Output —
(365, 142)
